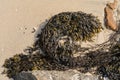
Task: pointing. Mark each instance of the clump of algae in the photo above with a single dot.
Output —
(59, 36)
(68, 27)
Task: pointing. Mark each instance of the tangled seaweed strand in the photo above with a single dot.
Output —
(60, 35)
(107, 63)
(113, 68)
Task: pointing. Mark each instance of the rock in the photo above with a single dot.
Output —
(55, 75)
(110, 22)
(109, 19)
(25, 76)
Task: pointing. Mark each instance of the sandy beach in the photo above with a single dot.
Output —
(19, 17)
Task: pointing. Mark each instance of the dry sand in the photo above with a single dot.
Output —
(18, 17)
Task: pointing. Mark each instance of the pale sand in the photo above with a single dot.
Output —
(17, 15)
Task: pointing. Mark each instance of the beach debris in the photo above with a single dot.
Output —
(109, 15)
(33, 30)
(59, 36)
(21, 62)
(57, 42)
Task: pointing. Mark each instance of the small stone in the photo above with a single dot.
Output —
(25, 76)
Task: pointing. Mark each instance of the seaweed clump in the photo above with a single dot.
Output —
(113, 66)
(22, 62)
(58, 42)
(107, 63)
(60, 37)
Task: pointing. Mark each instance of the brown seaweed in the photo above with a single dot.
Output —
(59, 35)
(78, 26)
